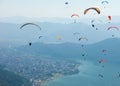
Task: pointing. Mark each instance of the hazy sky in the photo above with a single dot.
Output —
(54, 8)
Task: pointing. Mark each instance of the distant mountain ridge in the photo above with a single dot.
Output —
(10, 32)
(74, 51)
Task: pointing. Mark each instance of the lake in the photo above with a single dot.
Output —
(91, 74)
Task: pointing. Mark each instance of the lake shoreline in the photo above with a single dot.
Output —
(58, 75)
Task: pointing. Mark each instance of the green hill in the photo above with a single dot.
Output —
(10, 79)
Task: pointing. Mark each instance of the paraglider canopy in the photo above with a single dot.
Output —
(40, 37)
(75, 15)
(83, 38)
(105, 2)
(96, 21)
(113, 27)
(101, 61)
(76, 33)
(58, 37)
(31, 37)
(109, 18)
(26, 24)
(92, 8)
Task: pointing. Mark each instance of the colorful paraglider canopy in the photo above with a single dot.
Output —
(113, 27)
(26, 24)
(109, 18)
(58, 37)
(75, 15)
(101, 61)
(92, 8)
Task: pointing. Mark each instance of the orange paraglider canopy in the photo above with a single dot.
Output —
(92, 8)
